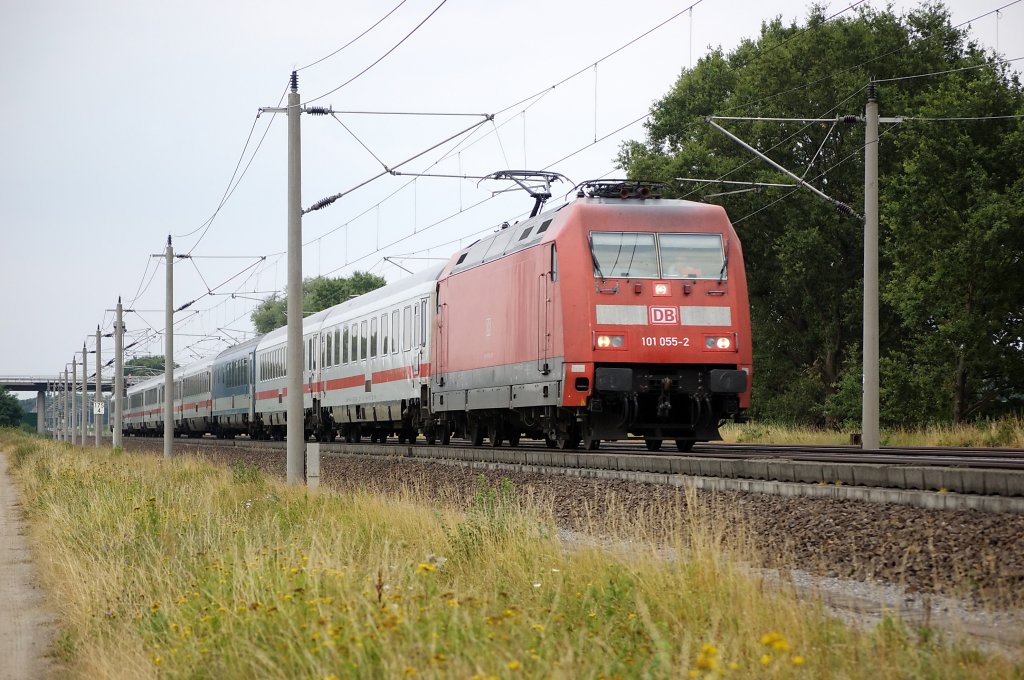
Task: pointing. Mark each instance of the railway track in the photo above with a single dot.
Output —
(989, 479)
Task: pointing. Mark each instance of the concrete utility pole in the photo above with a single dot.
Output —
(65, 430)
(870, 438)
(296, 429)
(74, 406)
(98, 399)
(85, 392)
(41, 410)
(169, 356)
(118, 373)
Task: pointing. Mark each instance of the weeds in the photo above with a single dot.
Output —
(184, 569)
(1003, 432)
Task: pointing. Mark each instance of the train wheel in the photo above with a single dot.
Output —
(513, 437)
(685, 444)
(494, 434)
(568, 442)
(475, 433)
(653, 444)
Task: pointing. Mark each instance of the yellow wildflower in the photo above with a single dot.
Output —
(537, 627)
(766, 659)
(798, 660)
(426, 567)
(514, 665)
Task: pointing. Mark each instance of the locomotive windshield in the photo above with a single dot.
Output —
(649, 256)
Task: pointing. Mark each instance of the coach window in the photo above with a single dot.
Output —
(362, 339)
(344, 346)
(415, 325)
(383, 334)
(354, 330)
(373, 337)
(406, 328)
(423, 322)
(337, 346)
(624, 254)
(395, 332)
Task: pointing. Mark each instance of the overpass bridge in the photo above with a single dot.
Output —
(43, 385)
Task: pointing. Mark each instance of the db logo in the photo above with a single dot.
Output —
(664, 315)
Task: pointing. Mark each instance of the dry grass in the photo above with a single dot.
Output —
(185, 569)
(1005, 432)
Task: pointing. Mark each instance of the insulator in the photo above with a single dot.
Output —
(322, 203)
(843, 208)
(318, 110)
(850, 120)
(295, 81)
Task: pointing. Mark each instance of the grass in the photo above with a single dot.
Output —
(187, 569)
(1004, 432)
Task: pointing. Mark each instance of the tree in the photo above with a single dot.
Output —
(145, 366)
(804, 260)
(957, 245)
(318, 293)
(10, 410)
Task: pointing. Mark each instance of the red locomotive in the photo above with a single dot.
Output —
(618, 313)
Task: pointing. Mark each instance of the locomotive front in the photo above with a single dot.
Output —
(665, 352)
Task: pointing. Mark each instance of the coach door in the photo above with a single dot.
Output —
(441, 351)
(546, 312)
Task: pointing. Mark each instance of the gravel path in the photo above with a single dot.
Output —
(25, 625)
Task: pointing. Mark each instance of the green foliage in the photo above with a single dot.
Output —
(10, 410)
(145, 366)
(318, 294)
(490, 517)
(243, 472)
(952, 206)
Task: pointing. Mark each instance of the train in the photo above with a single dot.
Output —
(618, 314)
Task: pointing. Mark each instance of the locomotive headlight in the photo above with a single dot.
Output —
(718, 342)
(611, 341)
(661, 289)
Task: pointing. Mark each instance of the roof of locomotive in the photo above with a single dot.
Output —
(547, 225)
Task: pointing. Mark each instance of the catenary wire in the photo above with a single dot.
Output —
(382, 57)
(353, 40)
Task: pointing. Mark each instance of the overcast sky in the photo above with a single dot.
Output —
(123, 122)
